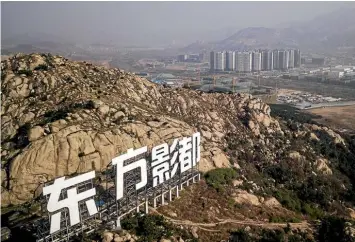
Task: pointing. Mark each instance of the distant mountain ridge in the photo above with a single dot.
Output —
(331, 30)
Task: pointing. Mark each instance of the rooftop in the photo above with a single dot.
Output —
(165, 76)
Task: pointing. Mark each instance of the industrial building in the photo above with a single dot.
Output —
(168, 80)
(190, 58)
(320, 61)
(182, 58)
(336, 74)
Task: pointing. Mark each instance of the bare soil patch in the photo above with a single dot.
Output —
(337, 117)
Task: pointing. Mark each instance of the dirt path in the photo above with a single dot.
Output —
(248, 222)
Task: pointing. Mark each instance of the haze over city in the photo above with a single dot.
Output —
(152, 23)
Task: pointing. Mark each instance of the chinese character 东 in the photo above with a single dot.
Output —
(72, 200)
(164, 158)
(122, 169)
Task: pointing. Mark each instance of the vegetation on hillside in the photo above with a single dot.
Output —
(220, 176)
(330, 229)
(153, 227)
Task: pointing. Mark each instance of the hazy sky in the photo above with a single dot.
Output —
(151, 22)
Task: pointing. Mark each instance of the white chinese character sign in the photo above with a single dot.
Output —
(72, 200)
(121, 169)
(166, 160)
(164, 163)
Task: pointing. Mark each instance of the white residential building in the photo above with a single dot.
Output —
(256, 56)
(230, 60)
(244, 62)
(291, 59)
(248, 61)
(220, 64)
(239, 61)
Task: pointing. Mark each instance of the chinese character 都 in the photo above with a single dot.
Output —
(72, 200)
(189, 152)
(122, 169)
(196, 150)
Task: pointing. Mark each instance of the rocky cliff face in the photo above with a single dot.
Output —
(61, 117)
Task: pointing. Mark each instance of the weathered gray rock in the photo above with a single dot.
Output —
(104, 109)
(119, 115)
(243, 197)
(272, 202)
(194, 232)
(322, 166)
(27, 117)
(58, 125)
(35, 133)
(107, 237)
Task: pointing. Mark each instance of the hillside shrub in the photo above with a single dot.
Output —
(26, 72)
(62, 112)
(313, 211)
(276, 219)
(152, 227)
(148, 228)
(21, 138)
(41, 67)
(220, 176)
(272, 236)
(288, 112)
(240, 236)
(333, 229)
(288, 199)
(319, 189)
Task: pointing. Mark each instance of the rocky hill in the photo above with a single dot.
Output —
(61, 117)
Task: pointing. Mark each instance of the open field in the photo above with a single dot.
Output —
(4, 57)
(346, 91)
(337, 117)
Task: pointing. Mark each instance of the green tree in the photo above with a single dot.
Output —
(332, 229)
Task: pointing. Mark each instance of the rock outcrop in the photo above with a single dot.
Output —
(243, 197)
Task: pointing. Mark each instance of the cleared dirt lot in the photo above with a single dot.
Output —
(346, 91)
(337, 117)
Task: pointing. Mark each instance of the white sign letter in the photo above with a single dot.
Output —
(71, 202)
(196, 156)
(185, 154)
(121, 169)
